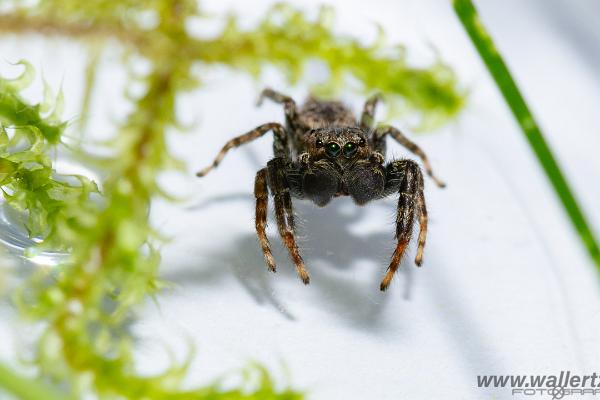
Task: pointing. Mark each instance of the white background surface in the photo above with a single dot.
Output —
(506, 288)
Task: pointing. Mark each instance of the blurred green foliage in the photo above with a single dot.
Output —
(289, 40)
(85, 304)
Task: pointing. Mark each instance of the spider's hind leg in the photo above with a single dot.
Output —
(405, 177)
(289, 105)
(280, 188)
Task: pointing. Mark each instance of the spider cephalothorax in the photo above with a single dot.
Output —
(323, 152)
(339, 162)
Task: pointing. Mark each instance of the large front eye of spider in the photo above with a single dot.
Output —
(333, 149)
(349, 149)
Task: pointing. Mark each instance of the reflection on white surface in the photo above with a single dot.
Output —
(505, 288)
(14, 236)
(15, 239)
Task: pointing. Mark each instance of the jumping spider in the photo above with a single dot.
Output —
(322, 153)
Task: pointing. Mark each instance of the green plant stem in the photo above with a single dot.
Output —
(469, 18)
(25, 388)
(91, 70)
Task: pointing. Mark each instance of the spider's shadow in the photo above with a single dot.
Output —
(345, 267)
(334, 256)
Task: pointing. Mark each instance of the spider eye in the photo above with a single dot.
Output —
(349, 149)
(362, 142)
(333, 149)
(319, 143)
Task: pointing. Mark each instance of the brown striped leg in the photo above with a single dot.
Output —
(284, 213)
(422, 227)
(368, 115)
(280, 144)
(406, 176)
(379, 142)
(262, 201)
(289, 105)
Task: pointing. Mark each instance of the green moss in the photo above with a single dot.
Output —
(27, 180)
(287, 39)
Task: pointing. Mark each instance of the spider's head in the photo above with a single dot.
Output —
(341, 146)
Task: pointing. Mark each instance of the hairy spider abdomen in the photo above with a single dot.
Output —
(316, 114)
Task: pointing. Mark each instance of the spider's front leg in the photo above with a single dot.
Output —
(261, 194)
(278, 170)
(405, 178)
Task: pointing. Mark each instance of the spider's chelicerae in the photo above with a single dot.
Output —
(323, 152)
